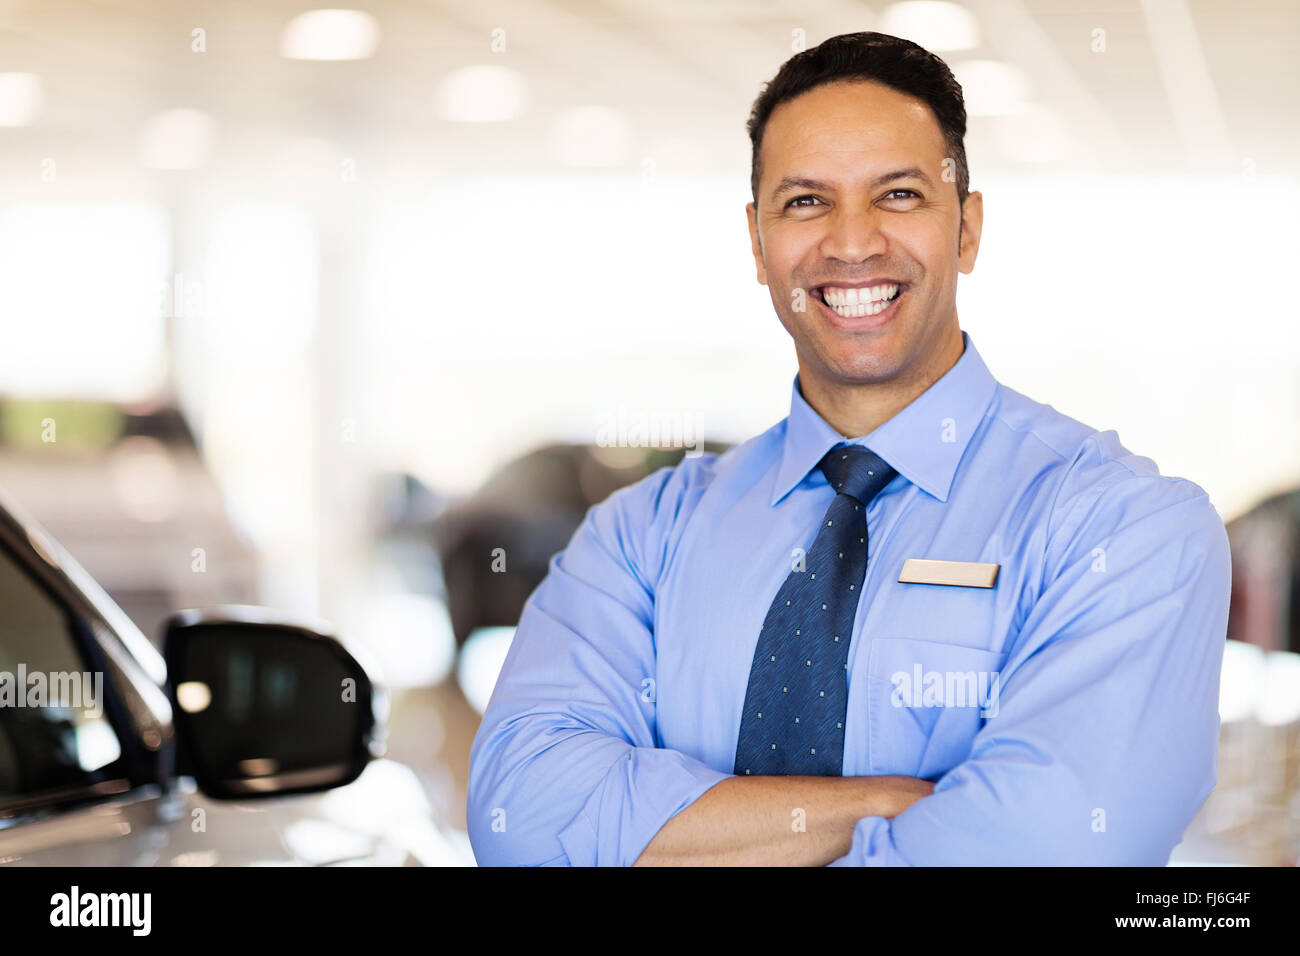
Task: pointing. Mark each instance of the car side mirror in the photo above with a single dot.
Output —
(265, 706)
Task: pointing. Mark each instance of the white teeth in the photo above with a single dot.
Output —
(855, 303)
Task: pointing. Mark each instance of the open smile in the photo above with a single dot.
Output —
(860, 307)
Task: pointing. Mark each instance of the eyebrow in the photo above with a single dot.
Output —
(802, 182)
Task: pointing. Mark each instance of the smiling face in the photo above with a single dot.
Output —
(859, 238)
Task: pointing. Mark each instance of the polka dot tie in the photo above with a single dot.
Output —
(794, 714)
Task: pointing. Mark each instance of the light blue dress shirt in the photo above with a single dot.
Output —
(1069, 715)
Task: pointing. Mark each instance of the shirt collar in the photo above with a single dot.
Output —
(923, 442)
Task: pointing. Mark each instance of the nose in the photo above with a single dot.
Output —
(853, 233)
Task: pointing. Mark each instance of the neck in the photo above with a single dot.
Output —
(857, 409)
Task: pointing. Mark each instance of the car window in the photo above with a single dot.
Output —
(55, 732)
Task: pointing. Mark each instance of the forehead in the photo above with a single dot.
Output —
(851, 124)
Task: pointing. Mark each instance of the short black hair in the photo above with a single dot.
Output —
(878, 57)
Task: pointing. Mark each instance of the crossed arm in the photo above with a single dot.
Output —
(778, 821)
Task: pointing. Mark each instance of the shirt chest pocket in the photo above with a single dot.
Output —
(948, 615)
(926, 701)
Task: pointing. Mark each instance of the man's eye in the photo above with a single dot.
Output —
(800, 199)
(910, 192)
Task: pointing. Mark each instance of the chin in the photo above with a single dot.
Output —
(861, 369)
(866, 355)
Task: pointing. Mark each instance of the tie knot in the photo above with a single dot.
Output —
(856, 471)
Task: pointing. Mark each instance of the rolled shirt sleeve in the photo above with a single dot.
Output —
(1105, 738)
(565, 768)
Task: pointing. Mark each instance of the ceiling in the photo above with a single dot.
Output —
(1181, 86)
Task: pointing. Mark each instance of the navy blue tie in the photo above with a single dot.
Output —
(793, 719)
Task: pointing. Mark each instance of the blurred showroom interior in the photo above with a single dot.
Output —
(328, 304)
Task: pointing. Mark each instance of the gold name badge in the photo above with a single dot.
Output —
(962, 574)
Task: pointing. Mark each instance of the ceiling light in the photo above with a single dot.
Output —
(20, 98)
(991, 87)
(330, 35)
(481, 94)
(932, 24)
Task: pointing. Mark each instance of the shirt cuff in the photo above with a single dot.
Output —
(873, 845)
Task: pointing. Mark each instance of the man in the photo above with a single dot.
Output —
(740, 660)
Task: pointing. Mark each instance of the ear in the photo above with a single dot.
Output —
(972, 222)
(756, 243)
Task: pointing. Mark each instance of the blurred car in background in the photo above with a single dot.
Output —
(493, 548)
(125, 488)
